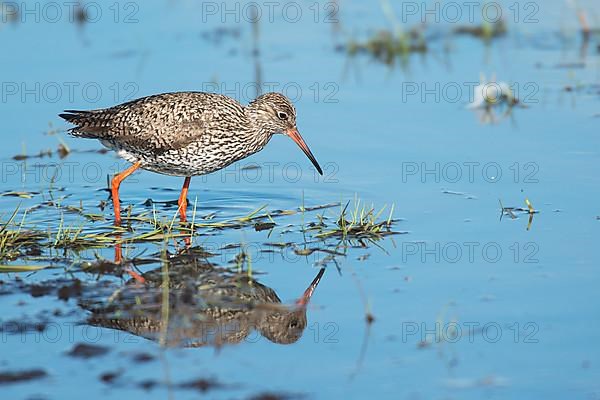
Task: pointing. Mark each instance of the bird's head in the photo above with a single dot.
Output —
(273, 113)
(284, 328)
(287, 327)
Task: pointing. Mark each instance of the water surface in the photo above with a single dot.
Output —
(466, 304)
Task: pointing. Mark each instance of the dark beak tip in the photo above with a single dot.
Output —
(295, 135)
(316, 165)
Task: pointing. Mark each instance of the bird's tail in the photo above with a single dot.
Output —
(88, 124)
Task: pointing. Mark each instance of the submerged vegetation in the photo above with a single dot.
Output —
(22, 239)
(512, 212)
(361, 222)
(387, 46)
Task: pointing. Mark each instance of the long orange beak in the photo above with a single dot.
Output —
(305, 299)
(295, 135)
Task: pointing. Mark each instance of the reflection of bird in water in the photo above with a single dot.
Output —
(206, 305)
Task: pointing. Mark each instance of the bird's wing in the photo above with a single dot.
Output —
(168, 136)
(159, 123)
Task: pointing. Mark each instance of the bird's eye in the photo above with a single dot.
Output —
(293, 323)
(282, 115)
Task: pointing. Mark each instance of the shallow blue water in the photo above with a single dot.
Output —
(521, 303)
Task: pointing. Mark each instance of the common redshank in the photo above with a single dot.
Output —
(186, 133)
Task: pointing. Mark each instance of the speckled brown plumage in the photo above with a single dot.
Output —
(186, 133)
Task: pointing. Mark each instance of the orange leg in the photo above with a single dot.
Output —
(116, 182)
(119, 260)
(182, 202)
(118, 253)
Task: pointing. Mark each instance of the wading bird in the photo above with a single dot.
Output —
(186, 133)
